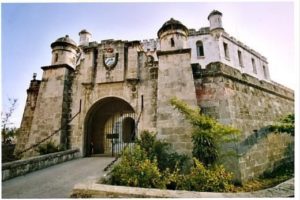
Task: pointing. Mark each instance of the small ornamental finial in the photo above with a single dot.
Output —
(34, 76)
(67, 36)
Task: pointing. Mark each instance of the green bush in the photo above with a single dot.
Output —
(214, 179)
(48, 147)
(152, 164)
(205, 147)
(282, 170)
(135, 169)
(162, 152)
(208, 135)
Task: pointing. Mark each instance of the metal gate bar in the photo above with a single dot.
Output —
(119, 132)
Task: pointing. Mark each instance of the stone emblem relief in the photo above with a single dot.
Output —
(110, 59)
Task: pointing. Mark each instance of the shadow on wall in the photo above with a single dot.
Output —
(263, 151)
(250, 141)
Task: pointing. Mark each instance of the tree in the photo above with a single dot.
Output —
(208, 135)
(8, 133)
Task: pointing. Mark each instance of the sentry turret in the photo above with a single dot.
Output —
(64, 51)
(172, 35)
(215, 21)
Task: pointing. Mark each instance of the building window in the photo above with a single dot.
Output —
(200, 49)
(226, 52)
(153, 73)
(254, 66)
(172, 42)
(265, 71)
(240, 58)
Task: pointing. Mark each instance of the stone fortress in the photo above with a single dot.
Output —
(98, 96)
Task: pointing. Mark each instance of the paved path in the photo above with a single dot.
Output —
(56, 181)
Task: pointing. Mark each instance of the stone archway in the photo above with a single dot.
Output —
(109, 127)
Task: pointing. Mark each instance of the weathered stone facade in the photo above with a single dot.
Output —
(99, 96)
(250, 105)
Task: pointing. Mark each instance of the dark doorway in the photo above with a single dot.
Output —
(109, 127)
(128, 130)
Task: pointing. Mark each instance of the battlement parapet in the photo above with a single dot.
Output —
(150, 44)
(201, 31)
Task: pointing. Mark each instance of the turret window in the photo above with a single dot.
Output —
(172, 42)
(200, 49)
(56, 57)
(240, 58)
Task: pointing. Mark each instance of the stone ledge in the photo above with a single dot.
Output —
(22, 167)
(177, 51)
(94, 190)
(57, 67)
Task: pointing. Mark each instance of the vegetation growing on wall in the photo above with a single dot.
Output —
(208, 135)
(48, 147)
(285, 125)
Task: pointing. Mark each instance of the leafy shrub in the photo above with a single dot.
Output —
(162, 152)
(152, 164)
(283, 170)
(214, 179)
(48, 147)
(135, 169)
(208, 135)
(205, 147)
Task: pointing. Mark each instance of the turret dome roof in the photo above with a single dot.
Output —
(171, 24)
(64, 41)
(214, 12)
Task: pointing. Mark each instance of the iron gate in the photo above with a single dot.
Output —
(119, 132)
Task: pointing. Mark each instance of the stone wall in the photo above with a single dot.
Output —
(133, 83)
(32, 95)
(175, 79)
(52, 106)
(249, 105)
(94, 190)
(22, 167)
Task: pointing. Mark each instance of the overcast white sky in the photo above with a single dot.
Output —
(29, 29)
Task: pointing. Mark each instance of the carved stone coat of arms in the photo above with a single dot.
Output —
(110, 59)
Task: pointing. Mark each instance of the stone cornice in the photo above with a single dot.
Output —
(178, 51)
(57, 67)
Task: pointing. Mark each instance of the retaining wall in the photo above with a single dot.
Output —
(250, 105)
(22, 167)
(94, 190)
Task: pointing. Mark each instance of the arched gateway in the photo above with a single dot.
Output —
(109, 127)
